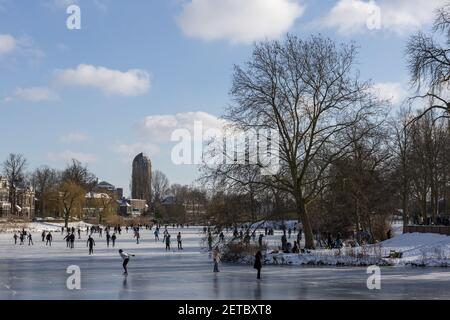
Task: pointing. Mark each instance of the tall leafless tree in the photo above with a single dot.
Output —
(309, 92)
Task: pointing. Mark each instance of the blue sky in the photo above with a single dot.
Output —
(139, 69)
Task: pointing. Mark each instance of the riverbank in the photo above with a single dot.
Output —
(414, 249)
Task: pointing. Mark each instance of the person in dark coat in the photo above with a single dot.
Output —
(258, 264)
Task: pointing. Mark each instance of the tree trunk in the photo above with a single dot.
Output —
(303, 217)
(66, 218)
(405, 210)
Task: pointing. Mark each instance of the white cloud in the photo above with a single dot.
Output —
(111, 82)
(59, 4)
(36, 94)
(160, 127)
(399, 16)
(129, 151)
(68, 155)
(23, 46)
(7, 44)
(393, 91)
(239, 21)
(155, 132)
(74, 137)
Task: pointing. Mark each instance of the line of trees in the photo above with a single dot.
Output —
(61, 193)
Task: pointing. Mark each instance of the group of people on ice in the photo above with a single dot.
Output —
(22, 236)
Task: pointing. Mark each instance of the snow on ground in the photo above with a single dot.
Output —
(40, 226)
(422, 249)
(417, 249)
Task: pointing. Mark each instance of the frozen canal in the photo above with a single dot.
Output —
(39, 272)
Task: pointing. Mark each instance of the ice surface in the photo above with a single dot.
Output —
(39, 272)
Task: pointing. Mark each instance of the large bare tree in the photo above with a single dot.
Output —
(309, 92)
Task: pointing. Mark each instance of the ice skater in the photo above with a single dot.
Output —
(72, 240)
(156, 233)
(67, 238)
(126, 258)
(137, 236)
(216, 259)
(180, 246)
(108, 237)
(43, 235)
(91, 243)
(113, 239)
(15, 238)
(30, 239)
(167, 241)
(49, 239)
(258, 264)
(210, 240)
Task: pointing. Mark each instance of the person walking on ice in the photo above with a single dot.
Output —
(216, 259)
(210, 240)
(126, 258)
(91, 243)
(258, 264)
(180, 247)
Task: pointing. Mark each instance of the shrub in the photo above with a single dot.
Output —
(235, 251)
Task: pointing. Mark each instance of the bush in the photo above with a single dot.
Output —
(235, 251)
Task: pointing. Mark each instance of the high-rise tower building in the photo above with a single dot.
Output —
(141, 178)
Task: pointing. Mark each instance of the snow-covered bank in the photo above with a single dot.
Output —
(40, 226)
(416, 249)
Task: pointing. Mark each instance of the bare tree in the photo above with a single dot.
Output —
(72, 198)
(429, 64)
(309, 92)
(44, 180)
(14, 171)
(402, 151)
(78, 173)
(160, 185)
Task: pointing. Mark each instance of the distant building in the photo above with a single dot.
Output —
(5, 206)
(25, 200)
(106, 187)
(141, 178)
(132, 207)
